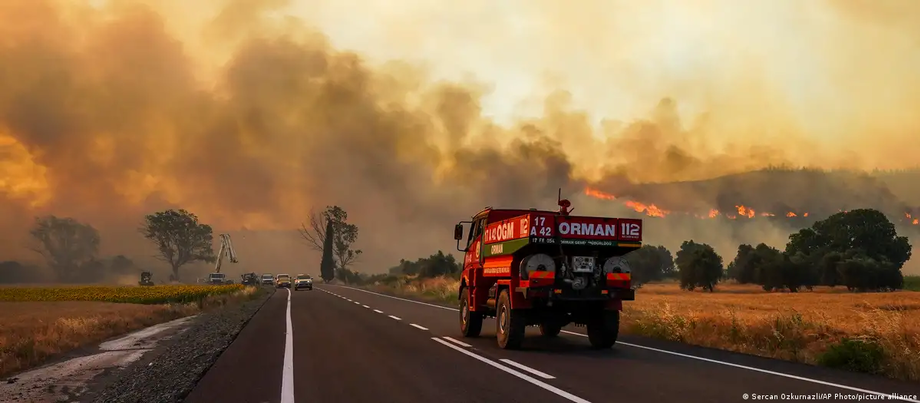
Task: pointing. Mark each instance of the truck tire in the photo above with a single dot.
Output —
(550, 330)
(604, 329)
(470, 322)
(509, 325)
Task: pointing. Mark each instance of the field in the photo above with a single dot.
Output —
(40, 323)
(158, 294)
(866, 332)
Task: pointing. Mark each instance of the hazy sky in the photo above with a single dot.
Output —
(234, 109)
(617, 57)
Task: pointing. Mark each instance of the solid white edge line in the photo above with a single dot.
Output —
(523, 376)
(366, 306)
(693, 357)
(763, 371)
(395, 317)
(523, 367)
(418, 327)
(457, 342)
(287, 373)
(378, 311)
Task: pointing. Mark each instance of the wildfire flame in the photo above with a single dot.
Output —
(597, 194)
(652, 210)
(745, 211)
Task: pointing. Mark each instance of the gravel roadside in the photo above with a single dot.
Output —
(174, 370)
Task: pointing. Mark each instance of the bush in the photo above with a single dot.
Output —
(854, 355)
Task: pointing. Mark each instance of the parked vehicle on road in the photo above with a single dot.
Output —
(303, 281)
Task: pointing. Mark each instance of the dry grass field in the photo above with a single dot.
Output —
(34, 331)
(870, 332)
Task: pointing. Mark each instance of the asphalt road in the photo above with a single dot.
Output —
(349, 345)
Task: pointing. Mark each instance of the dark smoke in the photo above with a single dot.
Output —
(107, 114)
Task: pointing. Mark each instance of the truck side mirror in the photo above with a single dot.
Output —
(458, 232)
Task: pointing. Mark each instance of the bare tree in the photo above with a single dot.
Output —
(343, 237)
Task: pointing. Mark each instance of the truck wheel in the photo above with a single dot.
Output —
(510, 325)
(604, 329)
(550, 330)
(470, 322)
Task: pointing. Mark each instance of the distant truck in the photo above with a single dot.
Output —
(250, 279)
(546, 268)
(219, 279)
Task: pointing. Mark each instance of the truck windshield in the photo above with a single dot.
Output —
(218, 275)
(303, 277)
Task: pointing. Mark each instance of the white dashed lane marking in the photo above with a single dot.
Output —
(550, 388)
(541, 374)
(417, 326)
(457, 342)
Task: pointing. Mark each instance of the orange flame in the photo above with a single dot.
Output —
(745, 211)
(650, 210)
(599, 195)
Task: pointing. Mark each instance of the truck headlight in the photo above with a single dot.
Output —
(616, 264)
(538, 262)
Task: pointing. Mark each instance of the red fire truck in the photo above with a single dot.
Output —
(546, 268)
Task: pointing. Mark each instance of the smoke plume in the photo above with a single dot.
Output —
(251, 112)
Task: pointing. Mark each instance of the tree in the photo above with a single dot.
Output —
(858, 248)
(699, 265)
(180, 238)
(327, 265)
(742, 268)
(436, 265)
(345, 235)
(650, 263)
(121, 264)
(68, 245)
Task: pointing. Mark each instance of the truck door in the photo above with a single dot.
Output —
(473, 258)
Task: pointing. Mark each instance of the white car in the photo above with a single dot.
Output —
(268, 279)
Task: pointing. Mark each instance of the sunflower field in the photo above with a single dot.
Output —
(158, 294)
